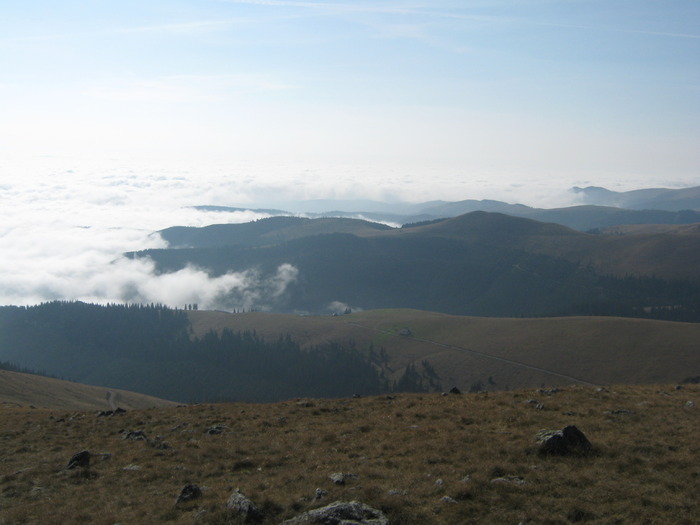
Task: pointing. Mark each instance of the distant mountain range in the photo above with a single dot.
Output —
(480, 263)
(644, 199)
(601, 209)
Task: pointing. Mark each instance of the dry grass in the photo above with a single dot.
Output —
(407, 451)
(29, 389)
(517, 353)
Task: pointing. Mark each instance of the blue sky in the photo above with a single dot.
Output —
(570, 91)
(117, 116)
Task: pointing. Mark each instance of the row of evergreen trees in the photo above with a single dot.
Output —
(148, 349)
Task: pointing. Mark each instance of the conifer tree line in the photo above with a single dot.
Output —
(149, 349)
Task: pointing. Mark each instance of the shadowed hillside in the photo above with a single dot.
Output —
(480, 263)
(195, 356)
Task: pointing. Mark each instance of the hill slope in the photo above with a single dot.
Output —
(18, 389)
(475, 264)
(421, 459)
(513, 353)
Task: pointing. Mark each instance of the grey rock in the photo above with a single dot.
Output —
(515, 480)
(189, 492)
(216, 430)
(320, 494)
(339, 478)
(447, 499)
(341, 513)
(568, 441)
(135, 435)
(241, 505)
(79, 460)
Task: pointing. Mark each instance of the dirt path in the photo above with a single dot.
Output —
(111, 398)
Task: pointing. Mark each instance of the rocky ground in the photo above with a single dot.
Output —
(625, 454)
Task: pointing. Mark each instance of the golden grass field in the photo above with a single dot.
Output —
(408, 453)
(516, 353)
(28, 389)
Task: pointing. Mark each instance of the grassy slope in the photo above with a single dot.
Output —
(421, 447)
(18, 389)
(515, 352)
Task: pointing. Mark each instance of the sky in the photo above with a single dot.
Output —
(116, 116)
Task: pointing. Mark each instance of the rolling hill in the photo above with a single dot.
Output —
(20, 389)
(514, 353)
(195, 356)
(475, 264)
(586, 217)
(643, 199)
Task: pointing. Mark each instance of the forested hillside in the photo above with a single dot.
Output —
(148, 349)
(484, 264)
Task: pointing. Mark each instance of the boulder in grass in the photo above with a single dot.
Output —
(239, 504)
(189, 492)
(569, 441)
(80, 460)
(341, 512)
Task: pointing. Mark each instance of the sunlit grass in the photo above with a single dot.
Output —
(422, 458)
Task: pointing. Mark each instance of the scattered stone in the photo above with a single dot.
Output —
(549, 391)
(131, 466)
(455, 390)
(565, 442)
(466, 479)
(439, 482)
(216, 430)
(339, 478)
(447, 499)
(320, 493)
(341, 513)
(80, 460)
(105, 413)
(397, 492)
(242, 506)
(305, 403)
(515, 480)
(189, 492)
(159, 443)
(135, 435)
(690, 404)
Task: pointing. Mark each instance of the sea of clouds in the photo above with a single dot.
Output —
(64, 226)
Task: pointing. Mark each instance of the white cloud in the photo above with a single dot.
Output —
(64, 224)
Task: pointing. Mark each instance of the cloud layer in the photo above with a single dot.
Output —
(64, 226)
